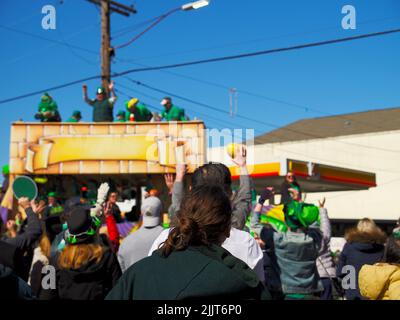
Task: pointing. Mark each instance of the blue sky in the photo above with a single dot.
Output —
(333, 79)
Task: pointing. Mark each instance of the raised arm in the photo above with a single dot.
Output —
(241, 204)
(33, 229)
(85, 95)
(113, 97)
(177, 190)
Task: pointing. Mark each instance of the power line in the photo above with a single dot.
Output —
(260, 53)
(255, 120)
(232, 44)
(196, 112)
(233, 57)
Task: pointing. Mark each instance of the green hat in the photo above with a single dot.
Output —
(6, 169)
(300, 214)
(51, 194)
(77, 114)
(101, 90)
(121, 113)
(45, 97)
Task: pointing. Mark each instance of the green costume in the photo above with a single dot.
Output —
(140, 112)
(174, 114)
(47, 110)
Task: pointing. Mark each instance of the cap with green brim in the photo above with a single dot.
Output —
(77, 114)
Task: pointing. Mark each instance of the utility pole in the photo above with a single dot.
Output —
(106, 50)
(105, 44)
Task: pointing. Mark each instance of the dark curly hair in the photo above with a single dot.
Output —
(204, 218)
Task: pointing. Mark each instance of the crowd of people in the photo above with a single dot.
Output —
(216, 246)
(103, 109)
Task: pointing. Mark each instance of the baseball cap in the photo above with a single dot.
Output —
(151, 210)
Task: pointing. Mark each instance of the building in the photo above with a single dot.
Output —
(367, 142)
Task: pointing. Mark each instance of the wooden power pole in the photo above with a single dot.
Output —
(106, 51)
(105, 44)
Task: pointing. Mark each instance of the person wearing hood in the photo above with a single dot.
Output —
(381, 281)
(364, 245)
(85, 270)
(47, 110)
(191, 264)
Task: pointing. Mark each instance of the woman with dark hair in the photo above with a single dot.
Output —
(381, 281)
(191, 263)
(290, 189)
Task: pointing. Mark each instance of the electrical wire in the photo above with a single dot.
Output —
(211, 60)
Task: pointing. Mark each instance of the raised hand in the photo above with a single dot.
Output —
(321, 202)
(169, 181)
(240, 156)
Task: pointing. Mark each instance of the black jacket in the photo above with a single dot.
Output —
(90, 282)
(358, 251)
(197, 272)
(13, 287)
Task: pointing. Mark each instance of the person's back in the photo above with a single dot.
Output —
(296, 253)
(85, 269)
(191, 263)
(91, 281)
(239, 243)
(197, 272)
(363, 246)
(136, 246)
(381, 281)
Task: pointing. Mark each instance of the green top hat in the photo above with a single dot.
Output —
(300, 214)
(52, 194)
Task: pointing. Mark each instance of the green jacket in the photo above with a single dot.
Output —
(72, 119)
(197, 272)
(174, 114)
(141, 113)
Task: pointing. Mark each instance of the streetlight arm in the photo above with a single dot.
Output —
(189, 6)
(161, 18)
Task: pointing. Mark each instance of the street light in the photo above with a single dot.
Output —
(195, 5)
(186, 7)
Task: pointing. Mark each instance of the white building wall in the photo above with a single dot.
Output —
(372, 152)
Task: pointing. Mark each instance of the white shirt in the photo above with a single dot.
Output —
(239, 244)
